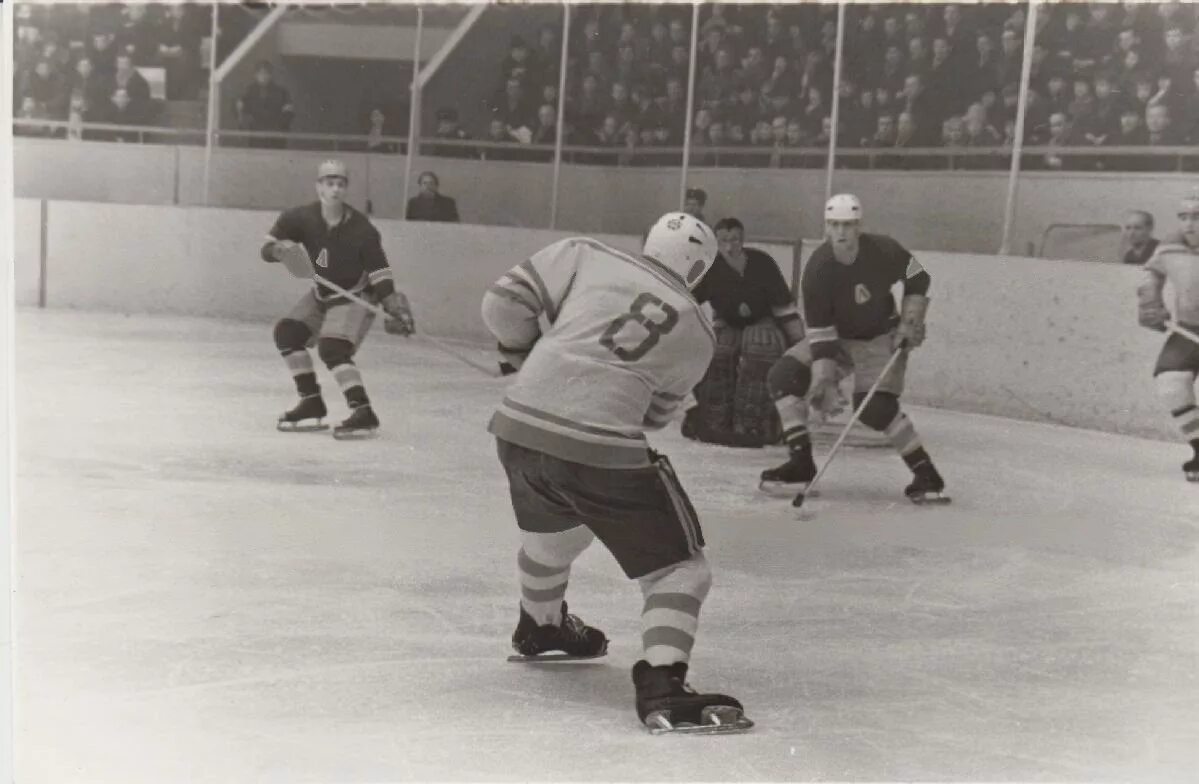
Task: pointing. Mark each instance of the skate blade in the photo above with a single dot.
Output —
(354, 435)
(554, 657)
(784, 490)
(717, 720)
(931, 499)
(293, 427)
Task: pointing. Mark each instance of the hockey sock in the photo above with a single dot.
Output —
(915, 458)
(350, 381)
(670, 616)
(544, 564)
(300, 364)
(1195, 446)
(793, 416)
(1187, 420)
(903, 436)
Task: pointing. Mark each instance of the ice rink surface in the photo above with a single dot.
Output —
(201, 598)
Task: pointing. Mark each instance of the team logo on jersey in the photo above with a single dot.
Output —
(861, 294)
(674, 224)
(914, 268)
(322, 259)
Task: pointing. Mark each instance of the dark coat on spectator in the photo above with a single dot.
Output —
(432, 208)
(1138, 257)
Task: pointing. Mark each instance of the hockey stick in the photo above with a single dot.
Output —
(427, 339)
(799, 498)
(1172, 326)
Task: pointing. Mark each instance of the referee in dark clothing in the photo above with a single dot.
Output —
(429, 205)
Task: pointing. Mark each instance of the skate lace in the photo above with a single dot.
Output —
(573, 627)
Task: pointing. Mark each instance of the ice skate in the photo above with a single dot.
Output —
(791, 477)
(305, 417)
(572, 640)
(1190, 469)
(927, 487)
(666, 704)
(362, 423)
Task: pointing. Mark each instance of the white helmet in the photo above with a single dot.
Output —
(683, 244)
(843, 206)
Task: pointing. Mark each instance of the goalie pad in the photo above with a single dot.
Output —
(714, 394)
(754, 414)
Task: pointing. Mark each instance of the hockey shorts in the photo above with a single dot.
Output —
(348, 321)
(1179, 353)
(865, 359)
(642, 515)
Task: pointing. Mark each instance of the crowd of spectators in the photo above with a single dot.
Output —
(914, 76)
(928, 76)
(86, 62)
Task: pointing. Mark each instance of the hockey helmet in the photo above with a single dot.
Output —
(843, 206)
(683, 244)
(1190, 203)
(333, 168)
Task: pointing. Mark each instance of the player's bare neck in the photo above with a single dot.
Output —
(737, 262)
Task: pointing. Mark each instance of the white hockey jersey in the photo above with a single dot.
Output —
(626, 342)
(1176, 262)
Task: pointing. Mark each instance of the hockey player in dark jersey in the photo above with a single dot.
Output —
(852, 327)
(346, 250)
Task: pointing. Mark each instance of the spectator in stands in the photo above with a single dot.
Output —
(430, 204)
(102, 53)
(694, 200)
(1138, 237)
(884, 132)
(1059, 136)
(91, 87)
(47, 88)
(179, 52)
(122, 111)
(376, 133)
(546, 132)
(512, 106)
(448, 128)
(265, 106)
(32, 111)
(136, 35)
(1105, 119)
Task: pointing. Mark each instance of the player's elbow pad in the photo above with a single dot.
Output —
(918, 284)
(511, 322)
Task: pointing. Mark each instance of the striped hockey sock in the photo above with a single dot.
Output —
(793, 416)
(299, 362)
(350, 380)
(903, 436)
(670, 616)
(544, 565)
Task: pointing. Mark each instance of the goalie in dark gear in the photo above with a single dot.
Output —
(756, 321)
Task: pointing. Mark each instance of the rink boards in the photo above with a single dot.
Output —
(1050, 341)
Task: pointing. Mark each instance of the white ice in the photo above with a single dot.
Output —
(201, 598)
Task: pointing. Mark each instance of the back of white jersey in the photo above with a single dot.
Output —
(626, 344)
(1178, 263)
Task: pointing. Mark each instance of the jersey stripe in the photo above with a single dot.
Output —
(543, 293)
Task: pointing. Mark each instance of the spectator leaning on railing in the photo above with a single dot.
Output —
(265, 106)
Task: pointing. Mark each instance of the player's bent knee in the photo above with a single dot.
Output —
(880, 411)
(335, 351)
(291, 335)
(692, 577)
(1176, 388)
(788, 376)
(558, 549)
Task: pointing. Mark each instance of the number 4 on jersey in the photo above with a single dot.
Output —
(654, 328)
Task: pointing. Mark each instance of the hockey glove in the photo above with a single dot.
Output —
(910, 332)
(400, 321)
(511, 358)
(825, 394)
(1151, 310)
(294, 257)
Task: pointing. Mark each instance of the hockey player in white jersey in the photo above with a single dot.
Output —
(1176, 261)
(625, 343)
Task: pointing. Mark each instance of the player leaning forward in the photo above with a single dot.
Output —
(345, 249)
(626, 343)
(852, 327)
(1176, 261)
